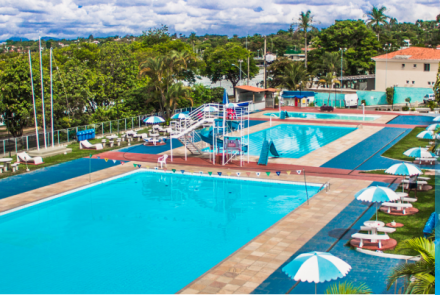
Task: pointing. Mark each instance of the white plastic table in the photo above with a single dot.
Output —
(112, 137)
(154, 137)
(7, 161)
(374, 225)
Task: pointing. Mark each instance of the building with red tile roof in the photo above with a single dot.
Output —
(409, 67)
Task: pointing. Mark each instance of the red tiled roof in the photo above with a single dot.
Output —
(412, 53)
(255, 89)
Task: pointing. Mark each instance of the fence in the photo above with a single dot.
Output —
(62, 136)
(67, 135)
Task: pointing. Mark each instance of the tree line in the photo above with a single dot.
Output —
(157, 71)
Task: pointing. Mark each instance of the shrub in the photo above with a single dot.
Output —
(312, 104)
(405, 108)
(390, 95)
(413, 109)
(363, 102)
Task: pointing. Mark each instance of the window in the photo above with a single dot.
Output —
(427, 67)
(429, 83)
(403, 65)
(414, 82)
(415, 65)
(407, 82)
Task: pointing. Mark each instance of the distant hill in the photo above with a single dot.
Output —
(50, 38)
(18, 39)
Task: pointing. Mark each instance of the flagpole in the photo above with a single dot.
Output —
(51, 98)
(42, 95)
(33, 100)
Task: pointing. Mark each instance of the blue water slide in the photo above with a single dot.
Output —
(264, 154)
(430, 224)
(273, 149)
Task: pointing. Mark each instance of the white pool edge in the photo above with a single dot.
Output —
(140, 170)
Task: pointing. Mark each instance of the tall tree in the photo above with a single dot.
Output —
(377, 18)
(330, 62)
(361, 44)
(305, 23)
(16, 95)
(223, 61)
(293, 76)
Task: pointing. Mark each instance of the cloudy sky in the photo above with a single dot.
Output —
(72, 18)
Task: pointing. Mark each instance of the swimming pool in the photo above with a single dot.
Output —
(295, 141)
(144, 232)
(323, 116)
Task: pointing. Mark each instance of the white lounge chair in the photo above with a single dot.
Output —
(162, 160)
(373, 238)
(25, 158)
(85, 144)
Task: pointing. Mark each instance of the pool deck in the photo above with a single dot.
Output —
(318, 157)
(250, 265)
(383, 119)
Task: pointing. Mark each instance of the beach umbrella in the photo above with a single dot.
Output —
(316, 267)
(427, 135)
(432, 127)
(225, 97)
(154, 120)
(180, 116)
(436, 119)
(376, 194)
(419, 153)
(210, 109)
(404, 169)
(231, 105)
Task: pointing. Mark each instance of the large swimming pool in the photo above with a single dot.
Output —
(324, 116)
(145, 232)
(295, 141)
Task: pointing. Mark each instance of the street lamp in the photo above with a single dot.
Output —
(258, 50)
(240, 61)
(342, 59)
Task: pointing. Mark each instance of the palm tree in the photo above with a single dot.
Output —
(293, 75)
(348, 288)
(376, 18)
(420, 276)
(305, 23)
(330, 62)
(178, 93)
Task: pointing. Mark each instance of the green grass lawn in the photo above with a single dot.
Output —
(413, 224)
(409, 141)
(75, 154)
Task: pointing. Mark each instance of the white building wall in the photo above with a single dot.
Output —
(412, 74)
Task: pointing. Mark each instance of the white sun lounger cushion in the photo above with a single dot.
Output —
(24, 157)
(86, 144)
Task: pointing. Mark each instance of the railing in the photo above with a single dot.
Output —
(62, 136)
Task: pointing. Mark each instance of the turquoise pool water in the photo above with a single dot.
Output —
(146, 232)
(327, 116)
(295, 141)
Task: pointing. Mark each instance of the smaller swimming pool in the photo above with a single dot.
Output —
(327, 116)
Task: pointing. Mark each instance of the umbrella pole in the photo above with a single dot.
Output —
(376, 211)
(316, 292)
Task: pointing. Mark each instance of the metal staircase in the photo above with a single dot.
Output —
(187, 141)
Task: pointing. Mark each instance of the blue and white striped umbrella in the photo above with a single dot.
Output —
(427, 135)
(436, 119)
(210, 109)
(316, 267)
(419, 153)
(432, 127)
(180, 116)
(404, 169)
(376, 194)
(154, 120)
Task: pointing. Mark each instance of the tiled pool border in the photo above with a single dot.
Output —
(146, 170)
(335, 114)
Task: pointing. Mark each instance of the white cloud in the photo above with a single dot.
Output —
(72, 18)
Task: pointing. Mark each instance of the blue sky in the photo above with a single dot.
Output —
(72, 18)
